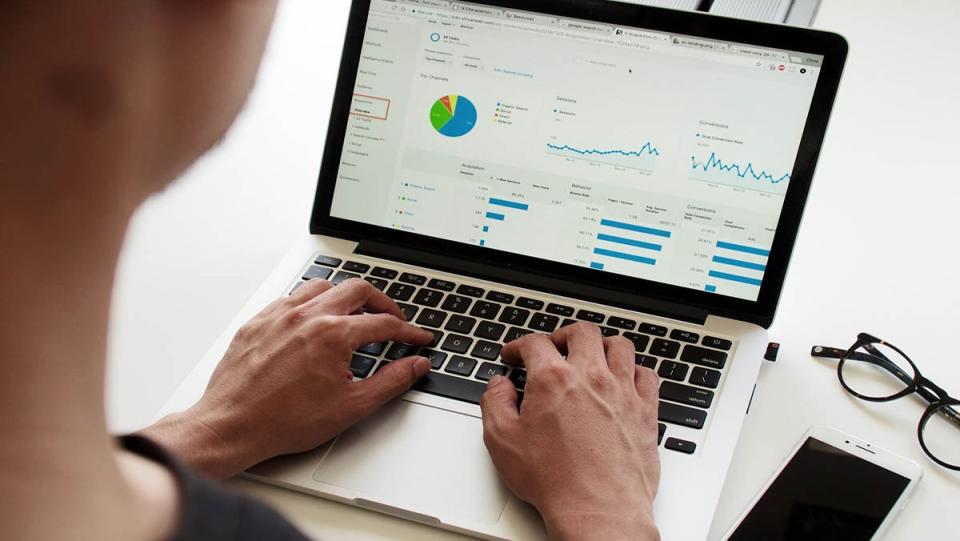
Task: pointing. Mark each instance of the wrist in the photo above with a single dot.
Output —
(571, 521)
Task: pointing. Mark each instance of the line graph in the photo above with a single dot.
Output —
(643, 159)
(716, 171)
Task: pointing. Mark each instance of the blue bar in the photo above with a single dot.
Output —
(595, 265)
(628, 257)
(483, 243)
(738, 263)
(637, 228)
(495, 216)
(509, 204)
(630, 242)
(711, 289)
(486, 229)
(742, 248)
(735, 278)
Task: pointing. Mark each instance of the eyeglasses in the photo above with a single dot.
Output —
(876, 371)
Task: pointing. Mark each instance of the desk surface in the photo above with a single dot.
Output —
(887, 188)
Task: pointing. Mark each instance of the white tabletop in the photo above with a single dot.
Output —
(877, 251)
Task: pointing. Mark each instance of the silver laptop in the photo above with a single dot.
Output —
(506, 167)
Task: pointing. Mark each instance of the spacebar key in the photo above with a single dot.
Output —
(451, 387)
(682, 415)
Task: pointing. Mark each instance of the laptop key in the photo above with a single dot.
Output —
(488, 370)
(471, 291)
(456, 303)
(685, 336)
(317, 273)
(428, 297)
(682, 415)
(621, 323)
(400, 292)
(646, 361)
(296, 286)
(683, 446)
(377, 282)
(446, 386)
(399, 351)
(461, 365)
(374, 349)
(353, 266)
(497, 296)
(460, 324)
(592, 317)
(431, 318)
(409, 311)
(662, 428)
(640, 341)
(489, 330)
(485, 310)
(437, 336)
(457, 344)
(519, 378)
(342, 277)
(705, 377)
(567, 323)
(442, 285)
(361, 366)
(488, 351)
(531, 304)
(436, 357)
(414, 279)
(650, 328)
(717, 343)
(515, 333)
(327, 261)
(380, 272)
(608, 331)
(544, 323)
(710, 358)
(665, 348)
(673, 370)
(685, 394)
(560, 310)
(514, 316)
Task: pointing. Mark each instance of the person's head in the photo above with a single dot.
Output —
(130, 91)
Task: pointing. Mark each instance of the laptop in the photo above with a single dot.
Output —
(502, 167)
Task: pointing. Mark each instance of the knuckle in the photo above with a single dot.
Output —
(620, 342)
(599, 378)
(296, 316)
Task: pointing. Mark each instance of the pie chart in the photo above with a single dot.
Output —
(453, 116)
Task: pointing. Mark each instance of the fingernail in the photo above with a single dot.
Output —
(497, 380)
(421, 366)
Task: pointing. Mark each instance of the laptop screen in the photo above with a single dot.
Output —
(652, 155)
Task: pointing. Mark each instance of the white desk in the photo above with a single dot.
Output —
(887, 192)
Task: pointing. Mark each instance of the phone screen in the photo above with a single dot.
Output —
(824, 494)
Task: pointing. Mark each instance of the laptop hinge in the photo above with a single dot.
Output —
(533, 280)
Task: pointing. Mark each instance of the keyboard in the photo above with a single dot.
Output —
(471, 324)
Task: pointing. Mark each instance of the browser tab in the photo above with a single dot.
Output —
(531, 18)
(432, 3)
(700, 44)
(478, 10)
(760, 54)
(642, 34)
(584, 26)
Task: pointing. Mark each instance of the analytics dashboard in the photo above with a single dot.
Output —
(625, 150)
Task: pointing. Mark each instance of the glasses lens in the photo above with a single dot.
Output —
(877, 371)
(941, 434)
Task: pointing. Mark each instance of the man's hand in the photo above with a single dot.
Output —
(582, 448)
(284, 385)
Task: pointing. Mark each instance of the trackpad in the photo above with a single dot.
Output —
(421, 459)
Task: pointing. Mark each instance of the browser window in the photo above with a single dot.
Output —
(625, 150)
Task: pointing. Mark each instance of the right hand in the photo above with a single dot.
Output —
(582, 448)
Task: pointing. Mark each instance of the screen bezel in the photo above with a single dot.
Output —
(858, 448)
(832, 47)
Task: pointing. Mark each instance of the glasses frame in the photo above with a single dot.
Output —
(937, 398)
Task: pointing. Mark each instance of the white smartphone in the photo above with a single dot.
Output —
(833, 486)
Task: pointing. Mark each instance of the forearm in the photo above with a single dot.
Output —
(196, 444)
(573, 526)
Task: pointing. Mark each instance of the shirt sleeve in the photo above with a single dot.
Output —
(209, 512)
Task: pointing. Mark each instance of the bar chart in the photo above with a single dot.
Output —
(498, 211)
(737, 263)
(624, 241)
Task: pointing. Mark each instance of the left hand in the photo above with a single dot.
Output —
(284, 386)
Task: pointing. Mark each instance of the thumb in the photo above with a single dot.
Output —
(389, 382)
(499, 405)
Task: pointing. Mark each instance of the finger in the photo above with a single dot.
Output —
(583, 343)
(352, 295)
(310, 290)
(620, 356)
(647, 383)
(370, 328)
(387, 383)
(533, 350)
(498, 406)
